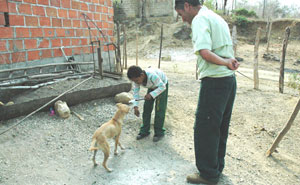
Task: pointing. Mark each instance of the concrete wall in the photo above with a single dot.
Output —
(154, 8)
(39, 28)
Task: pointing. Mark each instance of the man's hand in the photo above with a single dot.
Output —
(232, 63)
(136, 111)
(148, 97)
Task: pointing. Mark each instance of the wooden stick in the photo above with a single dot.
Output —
(45, 105)
(137, 48)
(45, 65)
(234, 39)
(77, 115)
(255, 73)
(282, 61)
(161, 38)
(269, 35)
(285, 129)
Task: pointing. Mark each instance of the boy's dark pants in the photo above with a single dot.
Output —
(213, 115)
(160, 112)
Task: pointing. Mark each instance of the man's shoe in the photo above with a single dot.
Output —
(157, 138)
(141, 136)
(197, 179)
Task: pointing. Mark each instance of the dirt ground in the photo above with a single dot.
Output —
(49, 150)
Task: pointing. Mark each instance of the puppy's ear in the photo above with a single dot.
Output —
(119, 105)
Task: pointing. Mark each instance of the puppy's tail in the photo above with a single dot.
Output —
(93, 145)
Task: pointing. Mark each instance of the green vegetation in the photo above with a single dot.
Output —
(241, 20)
(245, 13)
(294, 81)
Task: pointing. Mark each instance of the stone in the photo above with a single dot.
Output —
(62, 109)
(123, 97)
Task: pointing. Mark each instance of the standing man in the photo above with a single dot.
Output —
(216, 64)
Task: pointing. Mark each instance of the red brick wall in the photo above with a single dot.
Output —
(38, 28)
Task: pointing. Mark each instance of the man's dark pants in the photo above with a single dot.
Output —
(160, 113)
(213, 115)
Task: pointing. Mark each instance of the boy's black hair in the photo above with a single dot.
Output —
(179, 4)
(134, 72)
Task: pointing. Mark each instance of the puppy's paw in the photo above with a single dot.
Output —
(116, 153)
(95, 164)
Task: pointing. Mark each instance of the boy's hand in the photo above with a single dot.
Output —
(136, 111)
(148, 97)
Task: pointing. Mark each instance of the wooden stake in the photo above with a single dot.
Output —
(161, 38)
(124, 48)
(137, 48)
(284, 130)
(234, 39)
(255, 73)
(269, 34)
(282, 61)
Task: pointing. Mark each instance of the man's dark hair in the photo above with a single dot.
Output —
(134, 72)
(179, 4)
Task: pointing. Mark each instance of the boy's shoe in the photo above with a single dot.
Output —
(197, 179)
(141, 136)
(157, 138)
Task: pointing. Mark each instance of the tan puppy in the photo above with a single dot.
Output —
(110, 129)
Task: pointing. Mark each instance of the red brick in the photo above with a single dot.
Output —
(36, 32)
(104, 25)
(84, 6)
(45, 21)
(111, 11)
(76, 23)
(30, 43)
(104, 9)
(3, 6)
(2, 19)
(12, 8)
(73, 14)
(92, 8)
(33, 55)
(66, 3)
(49, 32)
(25, 9)
(22, 32)
(84, 41)
(15, 45)
(44, 44)
(67, 23)
(99, 9)
(75, 42)
(47, 53)
(109, 3)
(102, 2)
(110, 32)
(79, 33)
(86, 33)
(5, 58)
(43, 2)
(63, 13)
(97, 17)
(68, 51)
(75, 5)
(60, 32)
(3, 46)
(86, 50)
(55, 43)
(30, 1)
(55, 3)
(70, 33)
(57, 52)
(38, 10)
(66, 42)
(18, 57)
(51, 12)
(110, 18)
(77, 51)
(31, 21)
(16, 20)
(99, 24)
(103, 17)
(56, 22)
(95, 1)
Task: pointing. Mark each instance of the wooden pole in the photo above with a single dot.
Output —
(119, 65)
(269, 34)
(282, 61)
(284, 130)
(137, 48)
(161, 38)
(125, 47)
(234, 39)
(255, 73)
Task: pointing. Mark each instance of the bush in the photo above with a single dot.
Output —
(241, 20)
(244, 12)
(294, 81)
